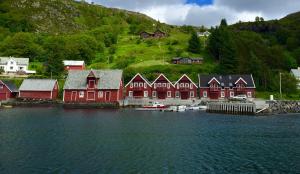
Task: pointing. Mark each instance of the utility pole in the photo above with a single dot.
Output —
(280, 86)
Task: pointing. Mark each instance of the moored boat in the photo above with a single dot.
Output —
(155, 106)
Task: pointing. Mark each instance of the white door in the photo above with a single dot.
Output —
(145, 94)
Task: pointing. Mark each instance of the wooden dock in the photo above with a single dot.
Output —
(231, 108)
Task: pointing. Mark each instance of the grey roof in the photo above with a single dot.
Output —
(38, 85)
(11, 86)
(296, 72)
(226, 80)
(20, 61)
(108, 79)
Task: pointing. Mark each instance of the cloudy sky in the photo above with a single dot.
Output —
(206, 12)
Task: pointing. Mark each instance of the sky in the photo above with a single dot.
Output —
(206, 12)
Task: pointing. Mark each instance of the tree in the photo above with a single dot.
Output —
(223, 23)
(194, 44)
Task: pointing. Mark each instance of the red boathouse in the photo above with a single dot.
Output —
(39, 89)
(185, 88)
(93, 86)
(162, 88)
(226, 86)
(138, 87)
(8, 90)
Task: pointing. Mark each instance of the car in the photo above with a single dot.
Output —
(240, 97)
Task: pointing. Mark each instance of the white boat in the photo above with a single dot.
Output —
(156, 106)
(193, 107)
(202, 107)
(181, 108)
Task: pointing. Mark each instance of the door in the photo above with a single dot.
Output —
(74, 96)
(145, 94)
(161, 95)
(91, 95)
(184, 95)
(107, 96)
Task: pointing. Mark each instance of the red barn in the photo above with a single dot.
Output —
(8, 90)
(39, 89)
(74, 65)
(185, 88)
(226, 86)
(93, 86)
(138, 87)
(162, 88)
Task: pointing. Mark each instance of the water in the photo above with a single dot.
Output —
(54, 140)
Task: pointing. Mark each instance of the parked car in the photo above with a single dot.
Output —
(239, 97)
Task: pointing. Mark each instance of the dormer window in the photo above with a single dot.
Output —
(11, 62)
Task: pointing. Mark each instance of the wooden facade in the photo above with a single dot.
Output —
(162, 88)
(157, 34)
(138, 87)
(185, 88)
(7, 90)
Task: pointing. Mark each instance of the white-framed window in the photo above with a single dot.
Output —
(145, 93)
(192, 94)
(187, 85)
(205, 94)
(191, 86)
(164, 85)
(159, 85)
(11, 62)
(238, 85)
(154, 85)
(231, 94)
(141, 84)
(130, 93)
(1, 86)
(249, 94)
(21, 68)
(169, 94)
(154, 94)
(11, 68)
(181, 85)
(100, 94)
(168, 85)
(177, 94)
(177, 85)
(145, 85)
(136, 84)
(81, 94)
(131, 85)
(222, 94)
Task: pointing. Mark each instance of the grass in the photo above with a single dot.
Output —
(266, 95)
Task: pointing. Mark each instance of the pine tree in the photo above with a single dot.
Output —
(194, 44)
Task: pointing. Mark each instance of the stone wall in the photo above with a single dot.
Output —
(284, 106)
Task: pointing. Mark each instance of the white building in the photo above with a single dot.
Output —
(203, 34)
(13, 65)
(296, 73)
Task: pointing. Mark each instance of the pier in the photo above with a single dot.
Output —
(231, 108)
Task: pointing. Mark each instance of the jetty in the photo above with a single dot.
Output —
(231, 108)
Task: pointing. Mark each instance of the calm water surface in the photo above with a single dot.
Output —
(54, 140)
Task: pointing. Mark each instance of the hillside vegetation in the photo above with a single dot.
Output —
(49, 31)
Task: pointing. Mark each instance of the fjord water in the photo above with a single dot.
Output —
(55, 140)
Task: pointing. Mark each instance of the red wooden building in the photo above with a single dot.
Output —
(185, 88)
(162, 88)
(74, 65)
(138, 87)
(226, 86)
(93, 86)
(7, 90)
(39, 89)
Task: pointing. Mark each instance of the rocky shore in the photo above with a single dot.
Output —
(280, 107)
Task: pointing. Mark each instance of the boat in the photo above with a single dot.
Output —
(193, 107)
(181, 108)
(170, 109)
(202, 107)
(156, 106)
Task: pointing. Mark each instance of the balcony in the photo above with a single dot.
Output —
(138, 88)
(214, 89)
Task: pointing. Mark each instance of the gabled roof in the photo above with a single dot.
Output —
(226, 80)
(10, 85)
(108, 79)
(20, 61)
(138, 74)
(213, 80)
(296, 72)
(73, 63)
(163, 77)
(184, 75)
(241, 80)
(38, 85)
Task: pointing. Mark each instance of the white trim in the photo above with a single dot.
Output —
(138, 74)
(239, 80)
(165, 78)
(184, 75)
(87, 95)
(64, 96)
(108, 92)
(212, 80)
(253, 82)
(5, 85)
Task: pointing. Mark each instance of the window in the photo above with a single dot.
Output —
(100, 94)
(238, 85)
(205, 94)
(169, 94)
(145, 85)
(21, 68)
(81, 94)
(191, 86)
(145, 93)
(187, 85)
(159, 85)
(154, 94)
(154, 85)
(131, 85)
(181, 85)
(130, 94)
(177, 94)
(192, 95)
(11, 62)
(168, 85)
(136, 84)
(249, 94)
(222, 94)
(231, 94)
(1, 86)
(177, 85)
(164, 85)
(141, 85)
(11, 68)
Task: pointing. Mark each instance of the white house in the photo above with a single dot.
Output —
(203, 34)
(296, 73)
(13, 65)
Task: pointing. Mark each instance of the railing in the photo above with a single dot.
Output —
(232, 108)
